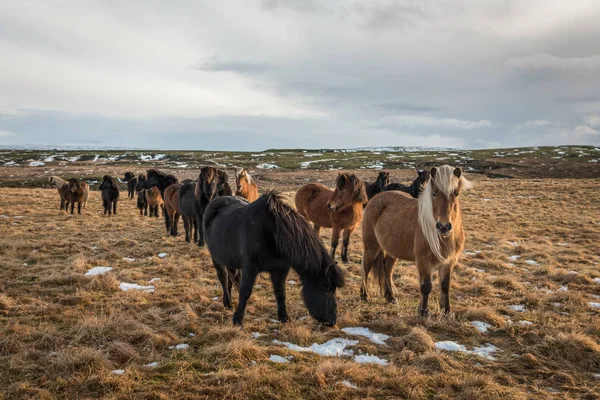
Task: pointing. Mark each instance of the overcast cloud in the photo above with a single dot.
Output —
(251, 75)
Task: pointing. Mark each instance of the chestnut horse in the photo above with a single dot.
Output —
(246, 187)
(427, 230)
(154, 200)
(339, 209)
(75, 192)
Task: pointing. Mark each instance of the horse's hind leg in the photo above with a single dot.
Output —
(186, 228)
(335, 239)
(115, 207)
(345, 243)
(224, 280)
(174, 223)
(368, 258)
(79, 208)
(248, 278)
(278, 279)
(388, 268)
(72, 207)
(444, 275)
(168, 222)
(425, 288)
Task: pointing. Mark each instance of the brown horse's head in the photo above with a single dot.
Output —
(241, 177)
(349, 189)
(74, 185)
(443, 190)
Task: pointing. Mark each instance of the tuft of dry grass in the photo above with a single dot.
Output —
(578, 349)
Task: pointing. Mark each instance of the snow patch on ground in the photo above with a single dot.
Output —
(182, 346)
(594, 305)
(162, 255)
(377, 338)
(267, 166)
(484, 351)
(349, 384)
(134, 286)
(152, 365)
(333, 347)
(518, 307)
(98, 271)
(481, 326)
(369, 359)
(525, 323)
(531, 262)
(36, 164)
(118, 371)
(278, 359)
(129, 259)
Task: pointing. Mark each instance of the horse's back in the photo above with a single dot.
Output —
(225, 225)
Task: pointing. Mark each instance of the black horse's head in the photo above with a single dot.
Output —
(141, 182)
(208, 181)
(383, 179)
(74, 185)
(159, 179)
(128, 176)
(318, 293)
(108, 182)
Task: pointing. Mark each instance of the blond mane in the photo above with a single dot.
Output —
(446, 182)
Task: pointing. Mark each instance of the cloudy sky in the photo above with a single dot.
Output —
(257, 74)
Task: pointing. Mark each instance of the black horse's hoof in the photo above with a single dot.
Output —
(364, 298)
(284, 319)
(391, 300)
(424, 312)
(237, 321)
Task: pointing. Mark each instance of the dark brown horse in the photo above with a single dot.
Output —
(427, 230)
(415, 188)
(131, 181)
(383, 179)
(75, 193)
(340, 209)
(110, 194)
(193, 200)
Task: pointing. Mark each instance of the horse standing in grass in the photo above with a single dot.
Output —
(162, 181)
(246, 187)
(340, 209)
(223, 188)
(74, 192)
(269, 236)
(193, 200)
(110, 194)
(427, 230)
(131, 181)
(58, 183)
(415, 188)
(140, 188)
(154, 200)
(372, 189)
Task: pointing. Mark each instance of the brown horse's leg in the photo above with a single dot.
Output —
(335, 239)
(317, 228)
(388, 265)
(444, 274)
(425, 288)
(345, 243)
(369, 255)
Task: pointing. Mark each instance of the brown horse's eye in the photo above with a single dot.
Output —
(456, 193)
(433, 194)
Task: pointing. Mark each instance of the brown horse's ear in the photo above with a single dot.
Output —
(457, 172)
(433, 172)
(341, 180)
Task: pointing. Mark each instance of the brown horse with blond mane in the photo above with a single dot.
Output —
(427, 230)
(340, 209)
(246, 187)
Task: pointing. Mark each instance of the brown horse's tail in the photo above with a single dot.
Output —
(380, 272)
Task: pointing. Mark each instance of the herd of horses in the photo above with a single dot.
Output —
(247, 234)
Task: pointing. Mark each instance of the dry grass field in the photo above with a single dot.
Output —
(531, 271)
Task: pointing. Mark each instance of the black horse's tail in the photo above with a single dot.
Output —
(295, 239)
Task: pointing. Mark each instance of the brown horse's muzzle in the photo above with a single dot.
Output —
(331, 207)
(444, 229)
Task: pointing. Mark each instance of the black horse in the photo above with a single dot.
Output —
(161, 181)
(142, 201)
(223, 188)
(193, 200)
(131, 184)
(267, 235)
(110, 194)
(415, 188)
(383, 179)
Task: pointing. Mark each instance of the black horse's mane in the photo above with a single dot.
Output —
(162, 175)
(294, 237)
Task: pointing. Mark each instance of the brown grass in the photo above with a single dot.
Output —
(61, 334)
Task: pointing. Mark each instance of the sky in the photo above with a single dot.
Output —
(259, 74)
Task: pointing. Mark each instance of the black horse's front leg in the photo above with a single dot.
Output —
(198, 231)
(224, 281)
(248, 278)
(278, 277)
(79, 208)
(115, 207)
(72, 207)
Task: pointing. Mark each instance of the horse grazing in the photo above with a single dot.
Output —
(193, 200)
(154, 201)
(246, 187)
(339, 209)
(383, 179)
(131, 184)
(110, 194)
(427, 230)
(415, 188)
(74, 192)
(269, 236)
